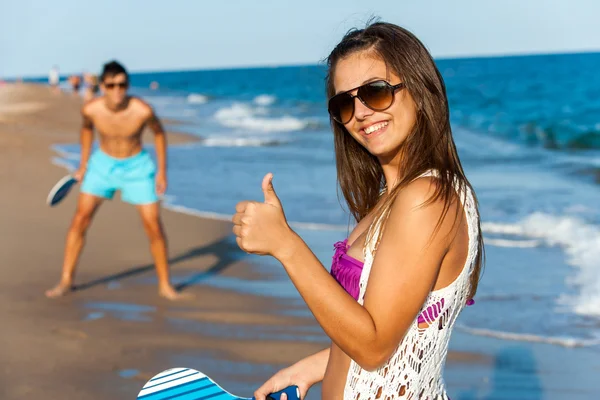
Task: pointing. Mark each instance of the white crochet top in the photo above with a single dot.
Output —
(414, 371)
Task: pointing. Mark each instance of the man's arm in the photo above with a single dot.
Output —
(86, 138)
(160, 145)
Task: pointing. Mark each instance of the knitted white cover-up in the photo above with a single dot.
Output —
(414, 371)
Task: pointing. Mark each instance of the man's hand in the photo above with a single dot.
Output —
(161, 183)
(79, 174)
(160, 146)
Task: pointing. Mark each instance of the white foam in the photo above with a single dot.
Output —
(581, 243)
(506, 229)
(240, 142)
(196, 98)
(243, 116)
(512, 243)
(264, 100)
(564, 341)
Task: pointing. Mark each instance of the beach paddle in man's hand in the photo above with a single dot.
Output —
(187, 383)
(60, 190)
(261, 227)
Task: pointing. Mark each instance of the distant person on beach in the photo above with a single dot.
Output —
(92, 87)
(54, 78)
(412, 263)
(75, 81)
(120, 163)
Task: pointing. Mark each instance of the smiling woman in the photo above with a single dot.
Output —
(412, 262)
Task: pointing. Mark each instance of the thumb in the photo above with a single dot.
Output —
(303, 390)
(269, 191)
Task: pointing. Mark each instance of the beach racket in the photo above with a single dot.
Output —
(189, 384)
(60, 190)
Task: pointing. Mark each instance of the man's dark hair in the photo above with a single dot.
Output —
(113, 68)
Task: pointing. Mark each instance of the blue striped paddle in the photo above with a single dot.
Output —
(189, 384)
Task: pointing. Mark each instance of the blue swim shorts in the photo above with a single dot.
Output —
(133, 176)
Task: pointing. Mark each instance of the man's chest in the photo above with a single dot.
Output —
(119, 125)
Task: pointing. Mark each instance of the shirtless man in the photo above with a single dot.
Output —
(120, 163)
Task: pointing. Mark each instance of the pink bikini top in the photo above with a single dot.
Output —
(346, 271)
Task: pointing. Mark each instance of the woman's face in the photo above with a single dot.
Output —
(380, 132)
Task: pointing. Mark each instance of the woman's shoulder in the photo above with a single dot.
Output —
(425, 205)
(418, 193)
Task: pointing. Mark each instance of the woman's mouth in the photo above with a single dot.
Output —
(375, 129)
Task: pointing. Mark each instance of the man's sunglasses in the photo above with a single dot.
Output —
(121, 85)
(377, 95)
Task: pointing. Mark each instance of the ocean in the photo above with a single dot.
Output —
(528, 133)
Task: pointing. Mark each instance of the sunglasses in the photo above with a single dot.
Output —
(377, 95)
(121, 85)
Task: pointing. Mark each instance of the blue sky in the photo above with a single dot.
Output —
(186, 34)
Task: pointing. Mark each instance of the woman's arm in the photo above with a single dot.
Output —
(402, 276)
(304, 374)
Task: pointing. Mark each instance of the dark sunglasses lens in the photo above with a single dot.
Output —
(377, 95)
(122, 85)
(341, 107)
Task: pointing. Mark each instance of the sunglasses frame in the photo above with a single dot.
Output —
(120, 85)
(391, 88)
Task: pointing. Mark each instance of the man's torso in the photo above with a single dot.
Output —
(119, 132)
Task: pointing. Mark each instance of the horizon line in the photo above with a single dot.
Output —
(311, 64)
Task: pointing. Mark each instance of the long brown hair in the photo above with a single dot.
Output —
(429, 146)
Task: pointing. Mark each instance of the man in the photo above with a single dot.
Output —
(120, 163)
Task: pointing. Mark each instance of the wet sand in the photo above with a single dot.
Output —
(114, 333)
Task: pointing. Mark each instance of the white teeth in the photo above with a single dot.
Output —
(375, 127)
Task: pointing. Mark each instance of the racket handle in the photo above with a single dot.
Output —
(293, 393)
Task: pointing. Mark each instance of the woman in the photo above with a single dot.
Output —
(412, 262)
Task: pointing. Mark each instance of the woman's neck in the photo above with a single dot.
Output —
(391, 172)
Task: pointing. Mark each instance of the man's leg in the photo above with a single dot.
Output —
(150, 214)
(87, 205)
